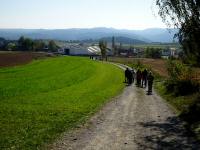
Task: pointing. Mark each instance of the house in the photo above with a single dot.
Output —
(64, 51)
(169, 52)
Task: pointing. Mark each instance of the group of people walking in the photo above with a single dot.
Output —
(142, 77)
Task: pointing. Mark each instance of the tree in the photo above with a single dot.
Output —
(184, 15)
(11, 46)
(153, 52)
(25, 44)
(28, 44)
(3, 43)
(21, 43)
(38, 45)
(52, 46)
(103, 47)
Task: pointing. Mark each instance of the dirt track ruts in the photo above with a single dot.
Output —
(133, 121)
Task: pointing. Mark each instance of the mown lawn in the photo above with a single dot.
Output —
(40, 100)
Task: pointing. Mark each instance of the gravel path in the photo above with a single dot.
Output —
(132, 121)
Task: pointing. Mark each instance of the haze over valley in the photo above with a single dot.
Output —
(139, 36)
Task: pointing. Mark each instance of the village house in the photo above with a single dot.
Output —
(169, 52)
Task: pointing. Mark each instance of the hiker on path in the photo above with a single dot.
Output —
(130, 77)
(126, 75)
(133, 75)
(144, 78)
(138, 76)
(150, 79)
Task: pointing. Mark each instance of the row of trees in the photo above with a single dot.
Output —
(27, 44)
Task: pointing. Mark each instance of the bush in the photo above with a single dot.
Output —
(191, 115)
(139, 64)
(181, 79)
(169, 85)
(186, 87)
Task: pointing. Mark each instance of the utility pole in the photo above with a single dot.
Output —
(113, 46)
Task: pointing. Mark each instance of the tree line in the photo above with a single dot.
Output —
(28, 44)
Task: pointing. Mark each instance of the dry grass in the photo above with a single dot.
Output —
(157, 65)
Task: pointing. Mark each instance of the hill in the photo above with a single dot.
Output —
(124, 40)
(148, 35)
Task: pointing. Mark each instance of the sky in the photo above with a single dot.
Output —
(63, 14)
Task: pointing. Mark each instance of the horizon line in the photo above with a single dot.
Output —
(82, 28)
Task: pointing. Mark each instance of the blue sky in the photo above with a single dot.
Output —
(61, 14)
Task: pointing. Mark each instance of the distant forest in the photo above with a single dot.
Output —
(27, 44)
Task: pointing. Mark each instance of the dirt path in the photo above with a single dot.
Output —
(132, 121)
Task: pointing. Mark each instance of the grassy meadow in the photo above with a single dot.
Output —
(40, 100)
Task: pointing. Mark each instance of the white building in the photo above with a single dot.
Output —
(169, 52)
(79, 49)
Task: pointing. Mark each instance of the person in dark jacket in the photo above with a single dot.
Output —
(144, 78)
(133, 75)
(130, 77)
(150, 79)
(138, 76)
(126, 75)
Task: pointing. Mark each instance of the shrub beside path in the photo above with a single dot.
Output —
(132, 120)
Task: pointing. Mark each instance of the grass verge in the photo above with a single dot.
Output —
(40, 100)
(186, 107)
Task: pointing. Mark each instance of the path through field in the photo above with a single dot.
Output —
(132, 121)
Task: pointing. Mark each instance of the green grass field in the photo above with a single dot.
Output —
(40, 100)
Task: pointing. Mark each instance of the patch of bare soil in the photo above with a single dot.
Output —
(8, 59)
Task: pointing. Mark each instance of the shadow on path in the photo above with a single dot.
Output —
(169, 135)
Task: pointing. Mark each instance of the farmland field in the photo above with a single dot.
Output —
(157, 65)
(8, 59)
(44, 98)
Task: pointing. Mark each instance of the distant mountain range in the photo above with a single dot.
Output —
(124, 40)
(146, 36)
